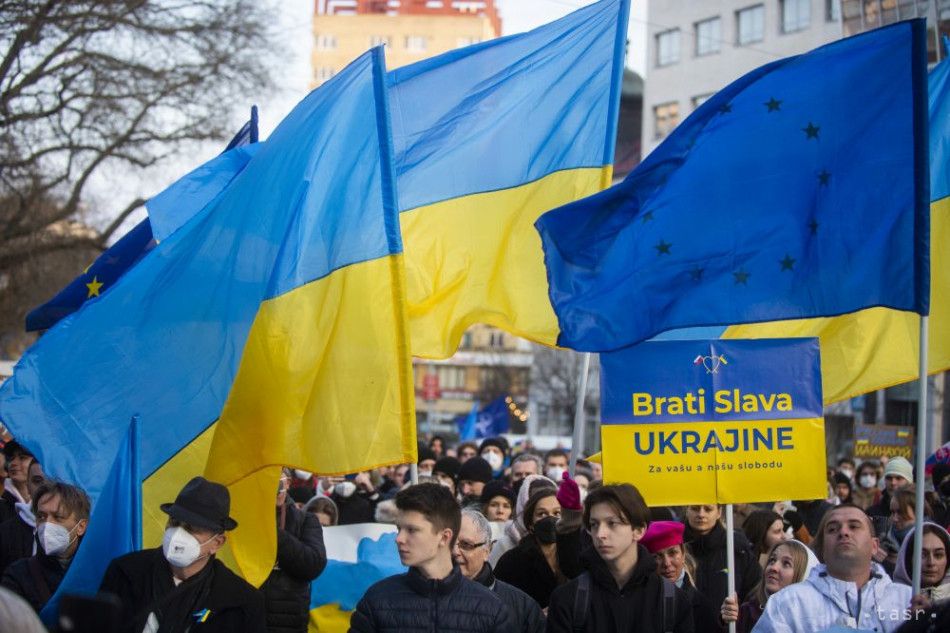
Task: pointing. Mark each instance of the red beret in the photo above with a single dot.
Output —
(663, 534)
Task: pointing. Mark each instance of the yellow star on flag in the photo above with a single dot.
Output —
(94, 287)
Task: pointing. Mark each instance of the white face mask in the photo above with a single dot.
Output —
(344, 489)
(555, 473)
(847, 472)
(180, 548)
(868, 481)
(54, 538)
(494, 460)
(425, 473)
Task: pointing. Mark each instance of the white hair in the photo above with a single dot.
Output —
(481, 524)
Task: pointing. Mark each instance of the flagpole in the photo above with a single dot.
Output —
(580, 420)
(730, 558)
(136, 484)
(921, 475)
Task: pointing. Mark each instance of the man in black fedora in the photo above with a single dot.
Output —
(181, 586)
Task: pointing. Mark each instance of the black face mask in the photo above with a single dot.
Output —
(469, 500)
(545, 530)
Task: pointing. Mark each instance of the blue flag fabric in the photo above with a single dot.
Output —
(164, 347)
(800, 190)
(490, 421)
(131, 247)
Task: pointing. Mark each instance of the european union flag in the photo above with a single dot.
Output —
(103, 273)
(800, 190)
(489, 421)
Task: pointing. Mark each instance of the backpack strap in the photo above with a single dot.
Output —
(581, 602)
(669, 606)
(36, 572)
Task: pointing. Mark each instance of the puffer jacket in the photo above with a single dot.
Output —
(821, 602)
(301, 557)
(903, 572)
(636, 608)
(526, 615)
(411, 602)
(709, 551)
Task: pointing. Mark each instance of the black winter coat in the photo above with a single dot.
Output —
(16, 541)
(301, 557)
(526, 615)
(636, 608)
(712, 578)
(526, 568)
(21, 578)
(7, 505)
(234, 605)
(356, 508)
(410, 603)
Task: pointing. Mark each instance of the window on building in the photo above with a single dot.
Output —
(379, 40)
(416, 43)
(796, 15)
(666, 116)
(699, 100)
(324, 42)
(451, 378)
(467, 340)
(750, 24)
(708, 36)
(496, 339)
(462, 42)
(667, 47)
(323, 73)
(832, 10)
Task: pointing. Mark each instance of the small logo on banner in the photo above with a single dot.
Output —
(711, 363)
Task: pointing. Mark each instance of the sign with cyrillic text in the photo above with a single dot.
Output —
(715, 421)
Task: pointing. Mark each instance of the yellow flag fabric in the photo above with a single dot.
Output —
(878, 347)
(487, 138)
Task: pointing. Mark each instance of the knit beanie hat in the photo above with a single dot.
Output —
(475, 469)
(448, 466)
(498, 442)
(425, 453)
(497, 489)
(899, 466)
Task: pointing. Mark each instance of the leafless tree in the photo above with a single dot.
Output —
(554, 374)
(92, 84)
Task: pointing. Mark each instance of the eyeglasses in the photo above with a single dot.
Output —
(469, 547)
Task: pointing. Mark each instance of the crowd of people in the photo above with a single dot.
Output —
(502, 539)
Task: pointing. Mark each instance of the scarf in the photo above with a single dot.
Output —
(175, 609)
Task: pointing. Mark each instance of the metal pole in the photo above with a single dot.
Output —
(730, 557)
(580, 419)
(938, 43)
(921, 474)
(414, 474)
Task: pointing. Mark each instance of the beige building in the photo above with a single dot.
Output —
(411, 30)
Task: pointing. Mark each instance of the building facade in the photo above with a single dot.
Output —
(411, 30)
(697, 48)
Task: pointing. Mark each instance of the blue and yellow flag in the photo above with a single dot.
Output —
(256, 312)
(798, 191)
(876, 348)
(102, 274)
(486, 139)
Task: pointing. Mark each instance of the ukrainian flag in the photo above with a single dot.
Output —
(487, 138)
(279, 308)
(774, 200)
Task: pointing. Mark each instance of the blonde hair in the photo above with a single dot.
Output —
(799, 566)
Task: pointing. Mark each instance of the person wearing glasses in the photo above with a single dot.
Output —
(471, 553)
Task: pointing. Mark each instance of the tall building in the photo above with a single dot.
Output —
(697, 48)
(410, 29)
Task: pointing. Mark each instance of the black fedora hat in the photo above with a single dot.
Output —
(204, 504)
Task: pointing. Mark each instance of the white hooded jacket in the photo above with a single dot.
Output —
(822, 602)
